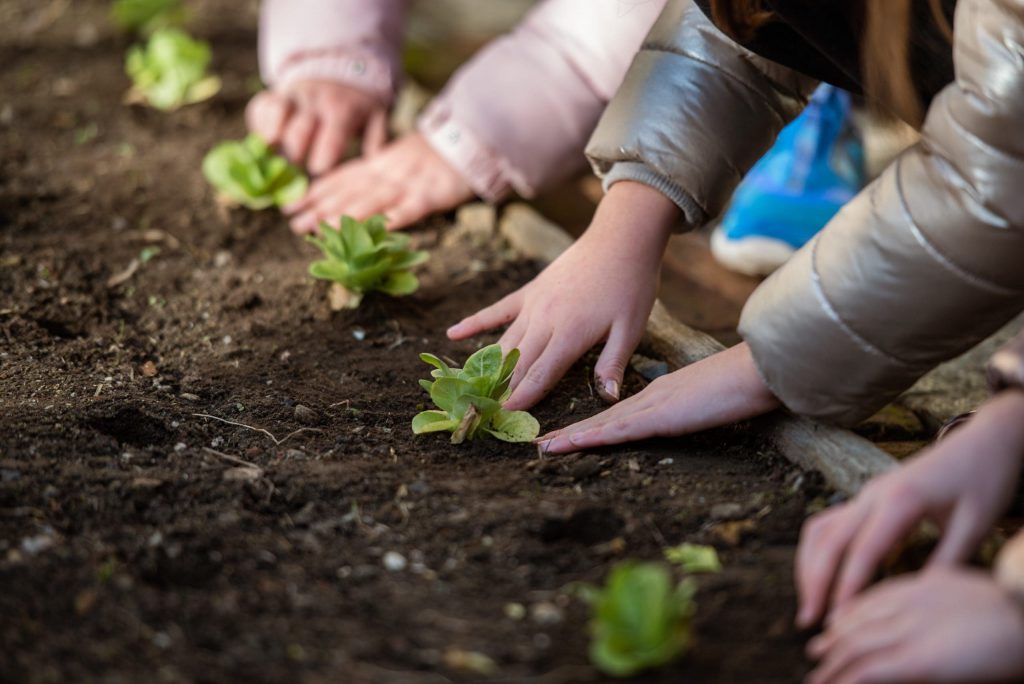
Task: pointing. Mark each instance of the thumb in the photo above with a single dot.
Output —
(611, 365)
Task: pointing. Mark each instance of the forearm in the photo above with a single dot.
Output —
(573, 54)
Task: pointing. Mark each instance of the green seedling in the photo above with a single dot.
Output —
(640, 619)
(170, 71)
(470, 399)
(146, 16)
(247, 172)
(694, 558)
(363, 256)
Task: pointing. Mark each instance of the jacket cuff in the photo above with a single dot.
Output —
(639, 172)
(1006, 369)
(485, 171)
(350, 66)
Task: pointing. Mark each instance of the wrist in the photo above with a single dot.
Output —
(637, 219)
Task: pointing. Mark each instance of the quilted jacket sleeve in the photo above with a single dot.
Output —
(694, 113)
(927, 261)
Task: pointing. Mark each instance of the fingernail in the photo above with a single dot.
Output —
(612, 388)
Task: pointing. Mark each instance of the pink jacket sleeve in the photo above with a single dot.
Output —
(356, 42)
(519, 114)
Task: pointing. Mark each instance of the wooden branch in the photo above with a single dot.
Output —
(846, 460)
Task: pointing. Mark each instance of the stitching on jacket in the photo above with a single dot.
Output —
(830, 311)
(935, 253)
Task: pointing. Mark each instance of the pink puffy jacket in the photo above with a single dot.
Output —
(516, 117)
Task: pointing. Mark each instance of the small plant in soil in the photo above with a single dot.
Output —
(363, 256)
(146, 16)
(470, 399)
(694, 558)
(640, 619)
(249, 173)
(170, 71)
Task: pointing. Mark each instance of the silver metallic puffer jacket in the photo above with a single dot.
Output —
(922, 265)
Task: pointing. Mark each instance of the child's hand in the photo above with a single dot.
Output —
(962, 483)
(313, 121)
(942, 625)
(405, 181)
(720, 389)
(601, 288)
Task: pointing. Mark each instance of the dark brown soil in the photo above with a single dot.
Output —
(127, 552)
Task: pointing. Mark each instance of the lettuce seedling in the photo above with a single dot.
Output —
(146, 16)
(640, 619)
(694, 558)
(247, 172)
(363, 256)
(170, 71)
(471, 399)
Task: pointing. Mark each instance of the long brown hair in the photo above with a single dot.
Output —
(885, 46)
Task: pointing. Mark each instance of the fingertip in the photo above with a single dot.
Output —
(459, 331)
(608, 390)
(304, 224)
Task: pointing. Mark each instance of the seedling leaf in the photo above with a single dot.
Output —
(247, 172)
(471, 397)
(146, 16)
(694, 558)
(362, 256)
(170, 71)
(431, 421)
(639, 619)
(514, 426)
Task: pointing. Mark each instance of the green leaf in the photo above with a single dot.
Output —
(146, 16)
(639, 620)
(374, 258)
(445, 392)
(399, 283)
(694, 558)
(432, 421)
(514, 426)
(471, 400)
(485, 363)
(170, 71)
(437, 363)
(249, 173)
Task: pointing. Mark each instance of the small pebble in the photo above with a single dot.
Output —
(515, 611)
(546, 613)
(306, 415)
(358, 334)
(180, 446)
(666, 461)
(394, 561)
(726, 511)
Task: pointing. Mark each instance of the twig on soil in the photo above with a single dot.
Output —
(277, 442)
(231, 459)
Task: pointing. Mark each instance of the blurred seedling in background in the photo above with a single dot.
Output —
(470, 399)
(641, 619)
(249, 173)
(362, 257)
(144, 17)
(170, 71)
(694, 558)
